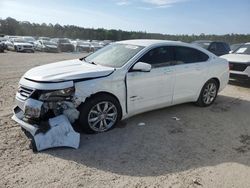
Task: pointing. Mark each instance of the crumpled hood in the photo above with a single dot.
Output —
(67, 70)
(239, 58)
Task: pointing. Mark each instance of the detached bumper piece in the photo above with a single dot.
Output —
(58, 132)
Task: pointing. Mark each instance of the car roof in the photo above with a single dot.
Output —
(148, 42)
(199, 41)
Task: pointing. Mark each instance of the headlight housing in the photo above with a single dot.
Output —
(57, 95)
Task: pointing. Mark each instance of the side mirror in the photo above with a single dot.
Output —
(143, 67)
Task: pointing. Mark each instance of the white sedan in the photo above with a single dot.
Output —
(118, 81)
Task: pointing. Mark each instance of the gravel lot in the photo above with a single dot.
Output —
(207, 147)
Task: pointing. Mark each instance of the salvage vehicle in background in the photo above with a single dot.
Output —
(20, 45)
(64, 45)
(114, 83)
(46, 46)
(239, 62)
(82, 46)
(217, 48)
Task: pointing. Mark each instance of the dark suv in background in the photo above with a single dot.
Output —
(64, 45)
(217, 48)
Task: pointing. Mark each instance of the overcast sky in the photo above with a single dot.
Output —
(159, 16)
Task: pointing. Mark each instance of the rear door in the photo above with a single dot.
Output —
(190, 73)
(154, 89)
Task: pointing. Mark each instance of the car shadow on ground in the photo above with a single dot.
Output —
(173, 139)
(241, 83)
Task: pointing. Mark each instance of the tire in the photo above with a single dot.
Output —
(94, 119)
(208, 93)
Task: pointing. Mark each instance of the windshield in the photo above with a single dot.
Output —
(245, 49)
(235, 46)
(49, 43)
(115, 55)
(95, 44)
(64, 41)
(18, 40)
(44, 38)
(83, 43)
(28, 38)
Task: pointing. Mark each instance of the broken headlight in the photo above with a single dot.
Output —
(57, 95)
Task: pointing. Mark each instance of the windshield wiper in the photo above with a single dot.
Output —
(92, 62)
(84, 59)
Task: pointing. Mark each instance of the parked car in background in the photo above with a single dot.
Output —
(239, 62)
(9, 37)
(3, 45)
(43, 38)
(105, 42)
(118, 81)
(8, 42)
(95, 46)
(20, 45)
(82, 46)
(29, 39)
(217, 48)
(46, 46)
(234, 47)
(64, 45)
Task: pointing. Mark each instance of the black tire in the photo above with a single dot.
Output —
(202, 99)
(86, 107)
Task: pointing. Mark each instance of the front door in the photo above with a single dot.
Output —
(154, 89)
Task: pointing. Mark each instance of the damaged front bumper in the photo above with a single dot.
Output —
(56, 131)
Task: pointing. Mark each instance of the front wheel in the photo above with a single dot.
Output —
(208, 93)
(99, 114)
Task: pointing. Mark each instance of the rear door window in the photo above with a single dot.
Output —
(185, 55)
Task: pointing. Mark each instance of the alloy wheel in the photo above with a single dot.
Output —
(209, 93)
(102, 116)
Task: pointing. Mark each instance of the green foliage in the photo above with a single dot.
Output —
(10, 26)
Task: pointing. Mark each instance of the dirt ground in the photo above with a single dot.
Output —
(207, 147)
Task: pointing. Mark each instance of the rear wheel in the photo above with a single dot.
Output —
(208, 93)
(99, 114)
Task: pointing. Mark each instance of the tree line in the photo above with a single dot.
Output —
(11, 26)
